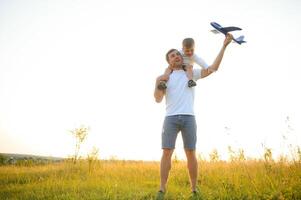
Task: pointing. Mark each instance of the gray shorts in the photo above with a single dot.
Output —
(173, 125)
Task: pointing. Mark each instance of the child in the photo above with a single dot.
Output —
(189, 58)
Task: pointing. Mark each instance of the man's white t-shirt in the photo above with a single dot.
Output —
(179, 97)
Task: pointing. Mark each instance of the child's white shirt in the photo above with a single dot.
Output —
(194, 59)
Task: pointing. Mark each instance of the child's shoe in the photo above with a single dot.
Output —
(191, 83)
(162, 85)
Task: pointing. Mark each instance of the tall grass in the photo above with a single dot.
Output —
(238, 179)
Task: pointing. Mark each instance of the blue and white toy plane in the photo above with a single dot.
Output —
(225, 30)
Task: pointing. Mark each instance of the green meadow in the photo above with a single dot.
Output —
(114, 179)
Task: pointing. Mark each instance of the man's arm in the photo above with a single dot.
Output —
(159, 94)
(214, 67)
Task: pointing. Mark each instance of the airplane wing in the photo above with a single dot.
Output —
(215, 31)
(218, 27)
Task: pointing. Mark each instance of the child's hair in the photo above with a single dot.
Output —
(188, 43)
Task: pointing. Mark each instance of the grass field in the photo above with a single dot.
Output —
(140, 180)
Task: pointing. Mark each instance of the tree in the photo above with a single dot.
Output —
(2, 159)
(80, 135)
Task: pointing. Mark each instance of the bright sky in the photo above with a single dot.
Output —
(69, 63)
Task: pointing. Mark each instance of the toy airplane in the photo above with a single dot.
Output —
(225, 30)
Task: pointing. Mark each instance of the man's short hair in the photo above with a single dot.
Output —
(171, 50)
(188, 43)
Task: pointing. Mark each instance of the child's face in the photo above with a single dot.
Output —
(188, 51)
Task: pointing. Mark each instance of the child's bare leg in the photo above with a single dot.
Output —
(189, 74)
(162, 84)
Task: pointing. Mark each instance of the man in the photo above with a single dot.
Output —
(180, 112)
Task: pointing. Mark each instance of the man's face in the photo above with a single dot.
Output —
(175, 58)
(188, 51)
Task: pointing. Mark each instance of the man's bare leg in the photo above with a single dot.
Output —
(165, 167)
(192, 165)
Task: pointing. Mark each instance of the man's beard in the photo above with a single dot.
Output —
(178, 64)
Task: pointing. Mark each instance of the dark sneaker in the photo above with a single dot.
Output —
(162, 85)
(195, 195)
(160, 195)
(191, 83)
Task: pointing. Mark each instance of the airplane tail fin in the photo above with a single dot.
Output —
(240, 39)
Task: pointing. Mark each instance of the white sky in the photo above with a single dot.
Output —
(69, 63)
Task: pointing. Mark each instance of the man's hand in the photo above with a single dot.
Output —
(228, 39)
(158, 93)
(163, 77)
(168, 70)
